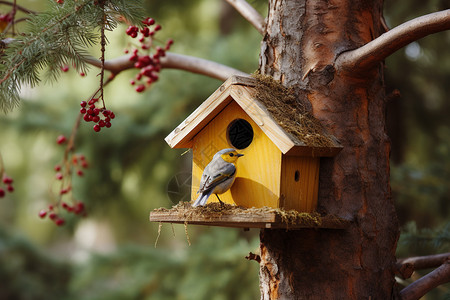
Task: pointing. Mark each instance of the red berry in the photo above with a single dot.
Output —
(64, 205)
(59, 222)
(10, 188)
(87, 118)
(82, 74)
(80, 173)
(107, 124)
(7, 180)
(112, 115)
(83, 110)
(101, 123)
(61, 139)
(126, 51)
(65, 69)
(97, 128)
(50, 207)
(145, 31)
(52, 216)
(168, 44)
(96, 119)
(62, 192)
(157, 27)
(84, 164)
(78, 208)
(140, 88)
(2, 193)
(59, 176)
(42, 213)
(83, 103)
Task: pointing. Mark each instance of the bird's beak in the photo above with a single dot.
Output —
(239, 155)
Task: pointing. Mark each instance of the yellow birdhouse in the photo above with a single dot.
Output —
(280, 166)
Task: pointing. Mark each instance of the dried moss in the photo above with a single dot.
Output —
(214, 209)
(290, 113)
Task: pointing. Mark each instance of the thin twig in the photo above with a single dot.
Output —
(406, 266)
(367, 56)
(102, 58)
(250, 14)
(426, 283)
(21, 8)
(174, 61)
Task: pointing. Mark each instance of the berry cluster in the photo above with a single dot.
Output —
(149, 64)
(72, 164)
(7, 181)
(52, 211)
(100, 116)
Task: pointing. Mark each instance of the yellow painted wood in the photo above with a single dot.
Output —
(257, 181)
(300, 195)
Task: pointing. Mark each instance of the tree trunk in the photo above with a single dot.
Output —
(302, 42)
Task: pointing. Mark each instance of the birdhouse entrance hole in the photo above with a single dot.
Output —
(297, 175)
(240, 133)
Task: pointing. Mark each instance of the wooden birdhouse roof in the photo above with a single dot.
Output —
(244, 90)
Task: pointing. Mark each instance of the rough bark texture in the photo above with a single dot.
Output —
(302, 42)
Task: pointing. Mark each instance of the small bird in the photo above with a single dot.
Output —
(218, 175)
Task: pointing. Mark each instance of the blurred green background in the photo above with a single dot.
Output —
(111, 254)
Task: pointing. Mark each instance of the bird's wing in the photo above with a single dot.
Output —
(213, 176)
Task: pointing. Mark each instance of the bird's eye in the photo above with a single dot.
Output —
(231, 154)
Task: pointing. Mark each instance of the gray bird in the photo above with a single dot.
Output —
(218, 175)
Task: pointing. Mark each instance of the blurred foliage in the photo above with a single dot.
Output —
(203, 271)
(111, 254)
(28, 273)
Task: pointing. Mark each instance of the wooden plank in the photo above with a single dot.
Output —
(300, 190)
(245, 218)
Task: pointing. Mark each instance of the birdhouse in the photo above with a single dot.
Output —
(280, 167)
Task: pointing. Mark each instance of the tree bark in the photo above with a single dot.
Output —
(300, 47)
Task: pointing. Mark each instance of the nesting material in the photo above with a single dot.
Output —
(290, 113)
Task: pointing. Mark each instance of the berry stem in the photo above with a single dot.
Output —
(102, 58)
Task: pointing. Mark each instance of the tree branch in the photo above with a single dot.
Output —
(377, 50)
(250, 14)
(406, 266)
(174, 61)
(426, 283)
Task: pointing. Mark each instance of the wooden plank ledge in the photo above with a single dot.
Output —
(213, 214)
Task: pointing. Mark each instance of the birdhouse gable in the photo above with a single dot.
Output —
(242, 90)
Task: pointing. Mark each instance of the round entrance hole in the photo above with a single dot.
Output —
(240, 133)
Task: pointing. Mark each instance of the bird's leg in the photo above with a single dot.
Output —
(221, 203)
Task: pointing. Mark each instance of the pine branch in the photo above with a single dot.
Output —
(375, 51)
(58, 37)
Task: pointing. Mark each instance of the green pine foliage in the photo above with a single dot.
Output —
(58, 37)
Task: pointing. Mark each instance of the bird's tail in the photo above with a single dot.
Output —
(202, 198)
